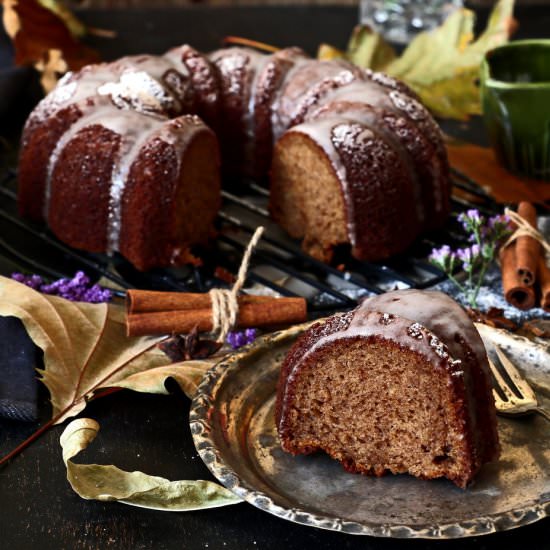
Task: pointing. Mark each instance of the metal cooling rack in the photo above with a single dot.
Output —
(278, 263)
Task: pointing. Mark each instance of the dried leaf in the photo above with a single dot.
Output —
(188, 375)
(493, 317)
(326, 52)
(44, 37)
(77, 28)
(536, 327)
(85, 345)
(51, 69)
(442, 65)
(427, 57)
(109, 483)
(479, 164)
(367, 48)
(10, 19)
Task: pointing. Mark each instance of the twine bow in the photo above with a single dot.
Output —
(524, 229)
(225, 307)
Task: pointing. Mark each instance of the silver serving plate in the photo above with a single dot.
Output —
(232, 421)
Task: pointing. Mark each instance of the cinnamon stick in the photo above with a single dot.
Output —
(544, 281)
(252, 313)
(516, 291)
(528, 250)
(141, 301)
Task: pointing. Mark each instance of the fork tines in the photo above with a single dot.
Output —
(524, 389)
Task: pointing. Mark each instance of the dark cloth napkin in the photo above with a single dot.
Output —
(18, 359)
(20, 89)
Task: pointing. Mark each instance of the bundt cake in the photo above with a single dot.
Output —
(399, 385)
(115, 158)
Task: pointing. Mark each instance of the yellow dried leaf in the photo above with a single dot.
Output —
(109, 483)
(188, 375)
(367, 48)
(10, 19)
(51, 69)
(85, 345)
(442, 65)
(326, 52)
(433, 55)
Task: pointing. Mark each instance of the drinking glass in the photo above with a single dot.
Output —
(399, 20)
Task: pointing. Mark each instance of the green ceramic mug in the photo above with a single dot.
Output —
(515, 95)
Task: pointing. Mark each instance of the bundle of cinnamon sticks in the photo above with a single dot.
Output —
(153, 312)
(525, 273)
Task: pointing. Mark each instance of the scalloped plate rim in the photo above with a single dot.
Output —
(488, 524)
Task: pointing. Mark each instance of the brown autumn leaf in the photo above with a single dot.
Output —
(43, 38)
(85, 345)
(481, 165)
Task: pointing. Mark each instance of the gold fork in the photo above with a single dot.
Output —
(512, 404)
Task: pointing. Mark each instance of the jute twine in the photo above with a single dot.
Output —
(524, 229)
(225, 306)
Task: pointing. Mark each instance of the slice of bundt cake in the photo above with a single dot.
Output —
(399, 385)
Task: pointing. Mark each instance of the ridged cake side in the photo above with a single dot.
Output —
(384, 153)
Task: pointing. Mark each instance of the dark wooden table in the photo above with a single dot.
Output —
(151, 433)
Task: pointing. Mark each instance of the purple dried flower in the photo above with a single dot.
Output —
(76, 289)
(500, 220)
(469, 256)
(485, 236)
(471, 219)
(238, 339)
(443, 256)
(232, 339)
(250, 334)
(32, 281)
(499, 228)
(473, 214)
(96, 295)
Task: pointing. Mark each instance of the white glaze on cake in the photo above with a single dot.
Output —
(388, 97)
(370, 118)
(365, 165)
(305, 84)
(436, 311)
(138, 91)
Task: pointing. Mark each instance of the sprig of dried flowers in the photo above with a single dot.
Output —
(486, 236)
